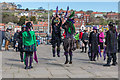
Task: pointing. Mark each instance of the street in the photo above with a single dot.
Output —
(50, 67)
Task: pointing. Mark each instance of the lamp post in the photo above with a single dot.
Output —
(48, 19)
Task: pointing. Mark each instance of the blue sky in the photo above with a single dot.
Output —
(95, 6)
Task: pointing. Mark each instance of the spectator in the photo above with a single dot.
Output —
(1, 40)
(111, 45)
(85, 41)
(16, 38)
(77, 39)
(80, 37)
(20, 43)
(7, 39)
(119, 41)
(101, 37)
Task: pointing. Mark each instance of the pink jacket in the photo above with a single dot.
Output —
(101, 37)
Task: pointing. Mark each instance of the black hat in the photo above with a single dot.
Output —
(29, 24)
(111, 24)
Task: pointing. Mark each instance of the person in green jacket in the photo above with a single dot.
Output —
(29, 43)
(77, 39)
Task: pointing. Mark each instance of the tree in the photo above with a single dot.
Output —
(26, 9)
(19, 6)
(22, 20)
(33, 18)
(9, 17)
(40, 8)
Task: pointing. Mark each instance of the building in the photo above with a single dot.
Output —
(97, 14)
(79, 14)
(112, 16)
(17, 28)
(86, 18)
(8, 6)
(2, 27)
(41, 28)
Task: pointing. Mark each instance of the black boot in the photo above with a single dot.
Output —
(70, 59)
(53, 52)
(85, 49)
(31, 60)
(107, 65)
(26, 63)
(82, 50)
(66, 59)
(114, 63)
(21, 56)
(58, 51)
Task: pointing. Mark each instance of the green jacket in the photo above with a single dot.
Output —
(29, 41)
(77, 36)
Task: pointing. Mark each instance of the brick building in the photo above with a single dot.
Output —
(112, 16)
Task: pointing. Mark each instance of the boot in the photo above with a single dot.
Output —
(26, 62)
(114, 63)
(53, 52)
(66, 59)
(85, 50)
(58, 52)
(70, 59)
(82, 50)
(21, 56)
(107, 65)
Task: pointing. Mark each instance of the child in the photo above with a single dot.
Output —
(16, 46)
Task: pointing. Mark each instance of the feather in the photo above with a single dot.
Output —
(72, 14)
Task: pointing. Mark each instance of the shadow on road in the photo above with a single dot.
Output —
(14, 60)
(47, 59)
(55, 64)
(82, 59)
(95, 63)
(16, 65)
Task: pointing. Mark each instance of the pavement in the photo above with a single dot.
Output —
(50, 67)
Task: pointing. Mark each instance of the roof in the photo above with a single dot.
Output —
(86, 15)
(88, 26)
(97, 13)
(17, 26)
(112, 14)
(2, 24)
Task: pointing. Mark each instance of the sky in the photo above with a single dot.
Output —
(104, 6)
(95, 6)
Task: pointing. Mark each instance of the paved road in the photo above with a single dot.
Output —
(49, 67)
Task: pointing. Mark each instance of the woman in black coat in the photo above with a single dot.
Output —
(20, 43)
(111, 44)
(93, 42)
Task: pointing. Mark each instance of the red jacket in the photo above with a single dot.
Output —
(64, 35)
(80, 35)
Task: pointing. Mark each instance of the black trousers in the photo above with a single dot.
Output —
(31, 58)
(111, 56)
(118, 46)
(54, 44)
(85, 43)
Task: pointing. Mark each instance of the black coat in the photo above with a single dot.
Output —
(56, 31)
(93, 40)
(16, 36)
(20, 42)
(111, 41)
